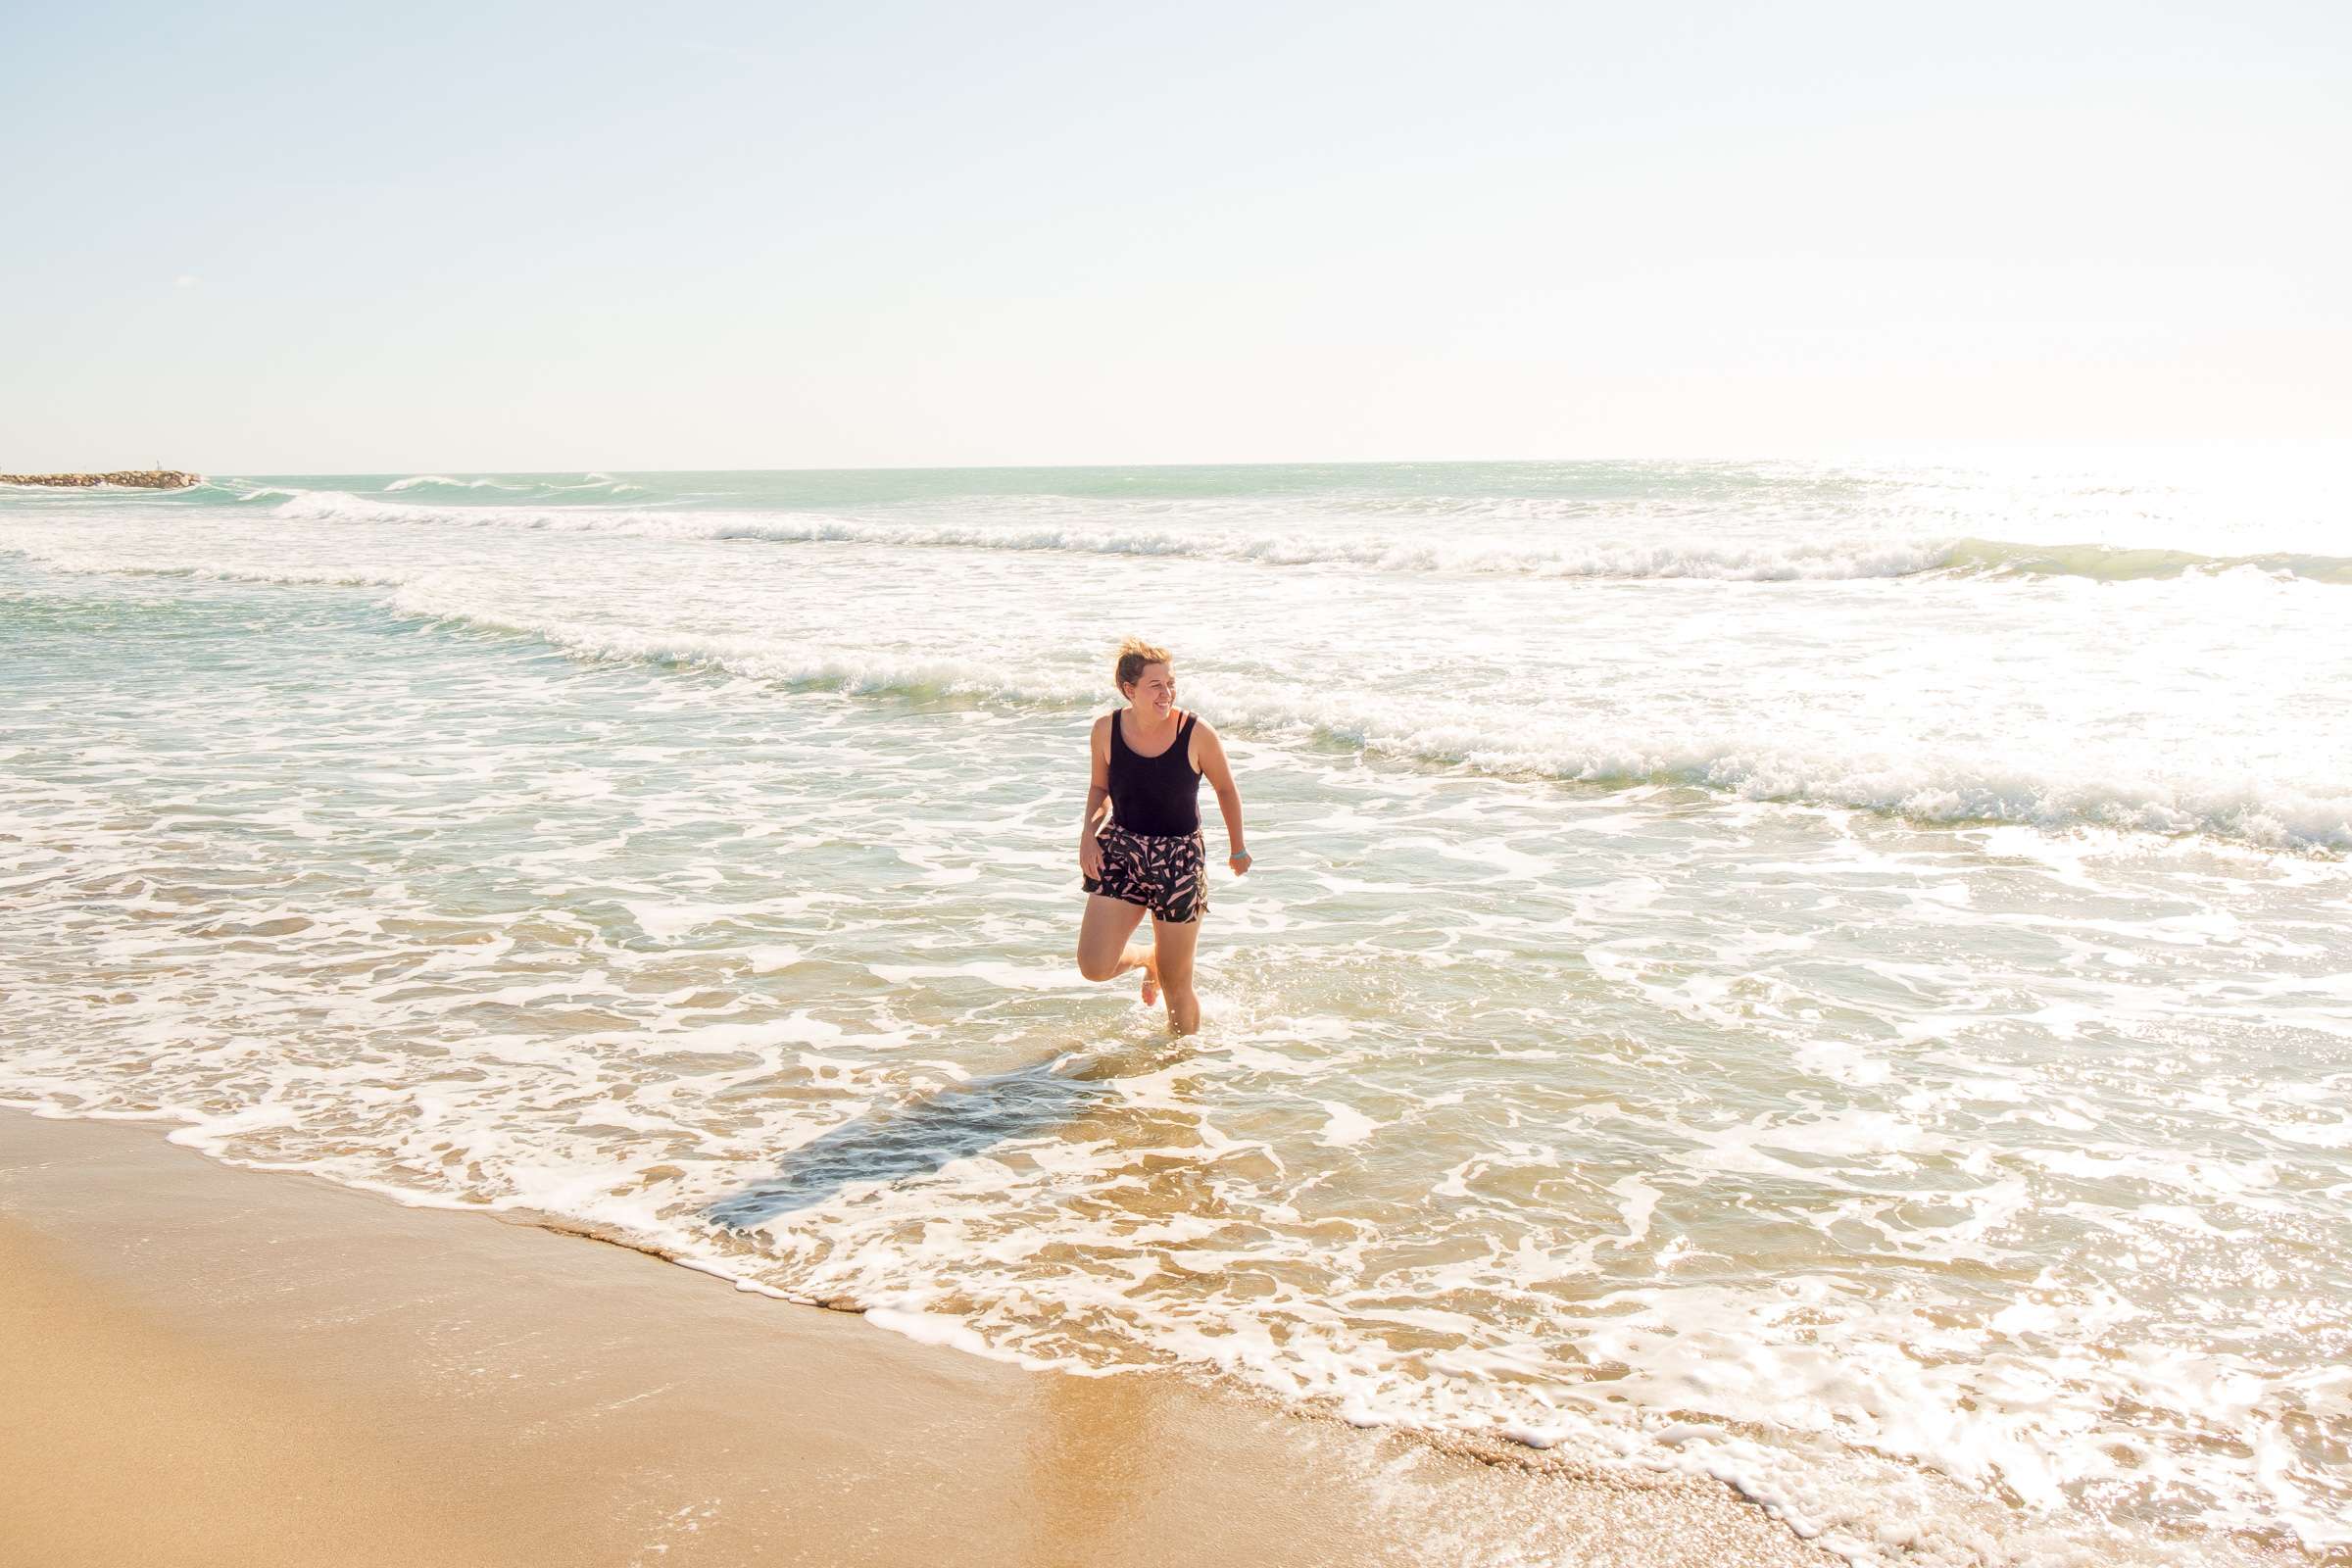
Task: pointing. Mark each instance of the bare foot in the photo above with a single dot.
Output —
(1151, 981)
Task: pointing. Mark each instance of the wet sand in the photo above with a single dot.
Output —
(208, 1365)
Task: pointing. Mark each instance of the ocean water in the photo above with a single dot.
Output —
(1831, 977)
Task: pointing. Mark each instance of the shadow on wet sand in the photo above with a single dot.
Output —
(915, 1138)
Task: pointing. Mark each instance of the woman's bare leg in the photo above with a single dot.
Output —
(1103, 949)
(1173, 945)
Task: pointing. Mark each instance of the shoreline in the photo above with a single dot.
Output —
(213, 1364)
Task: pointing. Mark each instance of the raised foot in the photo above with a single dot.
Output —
(1151, 981)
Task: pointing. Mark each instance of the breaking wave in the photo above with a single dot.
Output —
(1944, 789)
(1737, 561)
(2121, 564)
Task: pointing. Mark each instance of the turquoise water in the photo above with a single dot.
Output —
(1828, 977)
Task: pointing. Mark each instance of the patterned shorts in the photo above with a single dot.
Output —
(1169, 876)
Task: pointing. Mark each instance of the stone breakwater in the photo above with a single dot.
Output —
(135, 478)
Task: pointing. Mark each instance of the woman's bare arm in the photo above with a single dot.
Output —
(1209, 755)
(1098, 796)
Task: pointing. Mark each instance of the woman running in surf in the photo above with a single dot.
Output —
(1148, 761)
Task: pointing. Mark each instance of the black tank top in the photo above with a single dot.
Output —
(1157, 797)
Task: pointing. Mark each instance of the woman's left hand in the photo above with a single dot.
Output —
(1238, 859)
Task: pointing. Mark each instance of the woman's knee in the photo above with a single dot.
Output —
(1096, 967)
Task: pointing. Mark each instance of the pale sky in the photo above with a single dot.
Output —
(278, 238)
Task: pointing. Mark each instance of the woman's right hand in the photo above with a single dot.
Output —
(1090, 856)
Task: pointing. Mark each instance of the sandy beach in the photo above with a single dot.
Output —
(1231, 785)
(214, 1365)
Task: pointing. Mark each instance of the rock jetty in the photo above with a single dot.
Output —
(135, 478)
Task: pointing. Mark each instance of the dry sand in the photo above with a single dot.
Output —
(206, 1365)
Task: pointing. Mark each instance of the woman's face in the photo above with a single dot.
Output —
(1154, 691)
